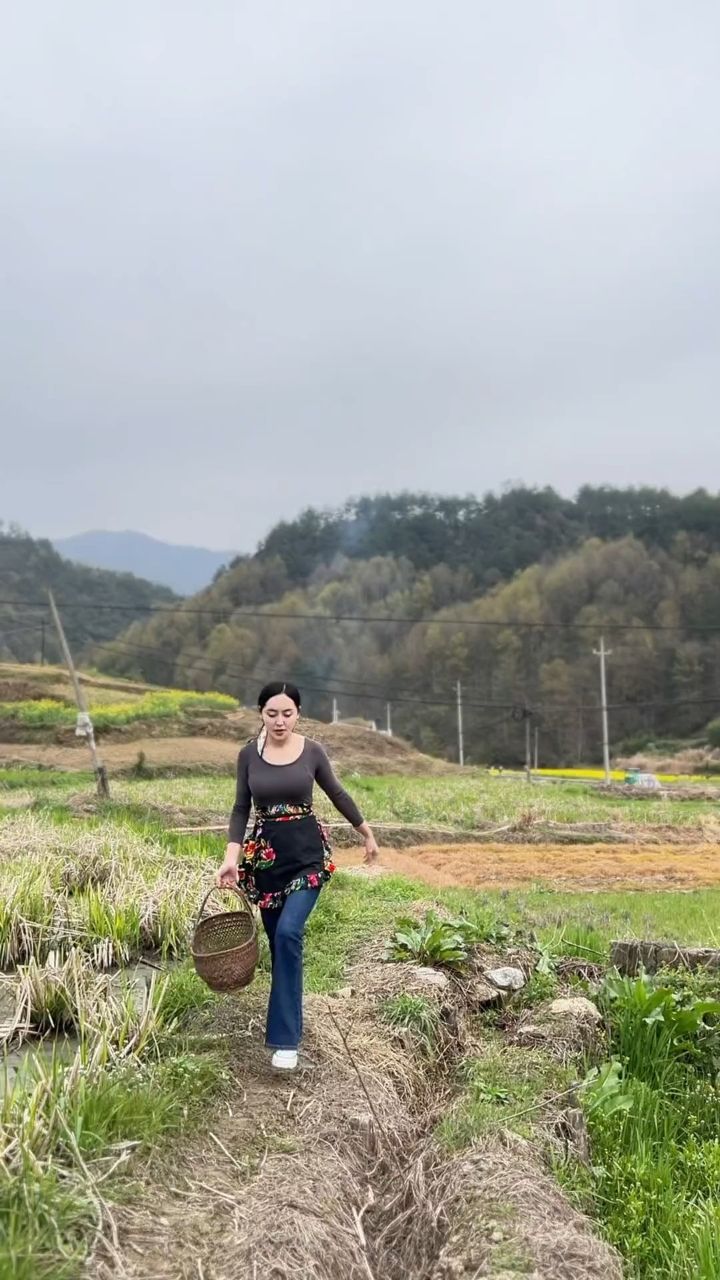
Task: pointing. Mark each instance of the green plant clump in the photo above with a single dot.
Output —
(653, 1118)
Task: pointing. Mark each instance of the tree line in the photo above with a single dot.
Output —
(474, 570)
(656, 608)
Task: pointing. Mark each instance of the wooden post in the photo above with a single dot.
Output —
(460, 729)
(84, 728)
(602, 653)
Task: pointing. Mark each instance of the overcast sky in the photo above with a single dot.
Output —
(260, 255)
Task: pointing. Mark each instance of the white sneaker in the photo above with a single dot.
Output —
(285, 1059)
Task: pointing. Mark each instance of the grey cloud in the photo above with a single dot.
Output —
(255, 256)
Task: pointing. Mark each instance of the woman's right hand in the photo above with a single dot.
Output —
(227, 876)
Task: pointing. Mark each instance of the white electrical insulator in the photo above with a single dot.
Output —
(83, 725)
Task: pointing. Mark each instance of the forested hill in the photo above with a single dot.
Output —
(97, 604)
(345, 605)
(494, 536)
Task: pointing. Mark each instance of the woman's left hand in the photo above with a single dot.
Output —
(371, 849)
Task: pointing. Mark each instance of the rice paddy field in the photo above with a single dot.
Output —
(115, 1051)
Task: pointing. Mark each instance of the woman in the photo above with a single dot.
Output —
(286, 860)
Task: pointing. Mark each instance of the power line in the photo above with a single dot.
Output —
(330, 690)
(237, 613)
(199, 659)
(333, 689)
(338, 686)
(484, 727)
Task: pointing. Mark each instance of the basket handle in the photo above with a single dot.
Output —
(225, 889)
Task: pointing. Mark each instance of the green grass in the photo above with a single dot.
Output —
(505, 1088)
(62, 1121)
(457, 803)
(656, 1158)
(122, 881)
(25, 778)
(466, 801)
(691, 918)
(416, 1014)
(346, 917)
(462, 803)
(561, 919)
(63, 1113)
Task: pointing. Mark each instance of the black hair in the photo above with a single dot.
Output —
(278, 687)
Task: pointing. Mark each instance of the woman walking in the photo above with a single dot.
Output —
(286, 859)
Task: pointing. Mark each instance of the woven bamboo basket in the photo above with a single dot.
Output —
(225, 948)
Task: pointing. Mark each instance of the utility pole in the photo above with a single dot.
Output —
(461, 735)
(389, 720)
(42, 642)
(336, 713)
(84, 728)
(602, 653)
(522, 714)
(537, 737)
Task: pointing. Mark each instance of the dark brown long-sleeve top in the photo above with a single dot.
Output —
(264, 784)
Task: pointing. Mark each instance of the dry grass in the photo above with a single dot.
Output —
(66, 995)
(109, 890)
(691, 760)
(501, 1196)
(324, 1175)
(588, 867)
(16, 799)
(308, 1145)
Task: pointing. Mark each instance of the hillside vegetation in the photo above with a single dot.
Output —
(388, 603)
(310, 608)
(97, 604)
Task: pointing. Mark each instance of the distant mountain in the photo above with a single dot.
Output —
(95, 604)
(184, 569)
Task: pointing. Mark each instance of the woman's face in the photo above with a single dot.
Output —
(280, 715)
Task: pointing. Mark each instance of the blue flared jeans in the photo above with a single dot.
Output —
(285, 929)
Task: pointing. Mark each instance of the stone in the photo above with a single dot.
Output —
(578, 1007)
(483, 996)
(506, 978)
(344, 993)
(566, 1027)
(430, 977)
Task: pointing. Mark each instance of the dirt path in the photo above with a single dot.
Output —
(586, 867)
(304, 1177)
(271, 1185)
